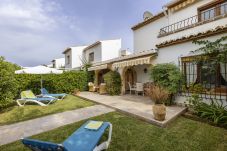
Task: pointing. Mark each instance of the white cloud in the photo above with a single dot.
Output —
(29, 14)
(36, 31)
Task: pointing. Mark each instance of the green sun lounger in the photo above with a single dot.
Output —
(28, 96)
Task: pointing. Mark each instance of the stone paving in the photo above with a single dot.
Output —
(13, 132)
(137, 106)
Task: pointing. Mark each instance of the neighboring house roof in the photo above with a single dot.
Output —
(70, 48)
(66, 50)
(57, 59)
(148, 21)
(92, 45)
(217, 30)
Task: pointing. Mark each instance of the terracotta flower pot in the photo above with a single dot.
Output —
(159, 112)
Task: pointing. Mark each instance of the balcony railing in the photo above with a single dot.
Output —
(203, 17)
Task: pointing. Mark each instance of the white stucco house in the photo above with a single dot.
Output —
(96, 52)
(73, 56)
(102, 50)
(167, 38)
(58, 63)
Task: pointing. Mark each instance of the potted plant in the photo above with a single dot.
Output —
(159, 95)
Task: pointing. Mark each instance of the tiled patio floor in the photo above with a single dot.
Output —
(137, 106)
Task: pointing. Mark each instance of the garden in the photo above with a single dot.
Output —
(203, 127)
(130, 134)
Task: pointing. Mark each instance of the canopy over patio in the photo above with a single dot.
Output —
(132, 62)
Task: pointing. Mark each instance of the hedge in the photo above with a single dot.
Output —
(54, 83)
(8, 83)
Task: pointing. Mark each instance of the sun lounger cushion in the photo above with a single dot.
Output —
(43, 99)
(84, 139)
(45, 92)
(81, 140)
(27, 94)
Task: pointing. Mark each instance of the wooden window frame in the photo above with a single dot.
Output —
(215, 3)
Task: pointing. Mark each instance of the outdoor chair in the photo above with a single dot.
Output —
(139, 88)
(83, 139)
(131, 88)
(91, 87)
(28, 96)
(45, 93)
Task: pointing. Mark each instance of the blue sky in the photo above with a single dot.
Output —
(34, 32)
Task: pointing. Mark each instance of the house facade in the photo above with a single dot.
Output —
(73, 56)
(102, 50)
(167, 38)
(93, 53)
(58, 63)
(181, 23)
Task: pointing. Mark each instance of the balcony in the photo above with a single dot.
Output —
(217, 12)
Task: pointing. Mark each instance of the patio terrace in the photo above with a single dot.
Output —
(137, 106)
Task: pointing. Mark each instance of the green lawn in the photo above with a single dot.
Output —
(16, 113)
(130, 134)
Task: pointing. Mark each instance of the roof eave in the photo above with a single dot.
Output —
(150, 20)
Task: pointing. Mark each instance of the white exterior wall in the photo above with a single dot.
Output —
(68, 65)
(141, 76)
(145, 38)
(59, 63)
(75, 57)
(172, 53)
(110, 49)
(187, 12)
(97, 53)
(105, 50)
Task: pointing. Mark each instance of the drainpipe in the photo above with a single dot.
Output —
(165, 10)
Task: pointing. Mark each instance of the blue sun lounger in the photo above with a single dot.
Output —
(44, 92)
(82, 139)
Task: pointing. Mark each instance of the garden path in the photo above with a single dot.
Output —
(13, 132)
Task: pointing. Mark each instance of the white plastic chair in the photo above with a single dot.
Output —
(131, 88)
(139, 88)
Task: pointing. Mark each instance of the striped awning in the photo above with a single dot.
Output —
(99, 67)
(132, 62)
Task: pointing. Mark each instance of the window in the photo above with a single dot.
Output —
(212, 10)
(224, 8)
(208, 14)
(68, 59)
(91, 57)
(209, 75)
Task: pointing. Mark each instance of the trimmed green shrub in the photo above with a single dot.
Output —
(168, 76)
(8, 83)
(215, 111)
(113, 82)
(55, 83)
